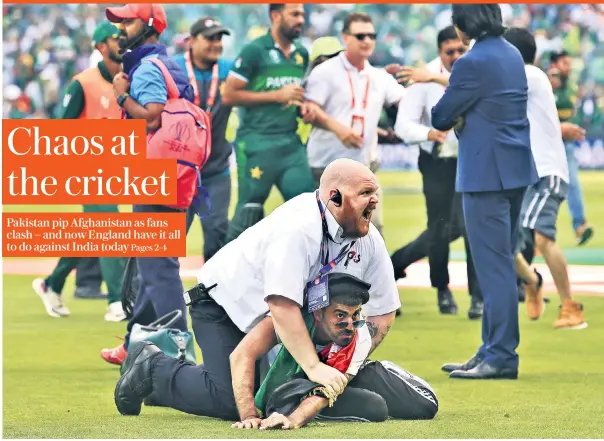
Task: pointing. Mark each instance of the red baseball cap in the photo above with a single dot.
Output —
(143, 11)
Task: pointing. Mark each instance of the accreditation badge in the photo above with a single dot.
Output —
(358, 124)
(318, 294)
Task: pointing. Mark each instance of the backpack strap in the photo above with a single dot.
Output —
(173, 91)
(196, 202)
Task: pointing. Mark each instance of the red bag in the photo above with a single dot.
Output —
(184, 135)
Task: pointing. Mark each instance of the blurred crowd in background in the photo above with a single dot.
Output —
(45, 45)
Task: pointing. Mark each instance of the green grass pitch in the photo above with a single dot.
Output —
(55, 385)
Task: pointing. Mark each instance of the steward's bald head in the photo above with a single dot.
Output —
(344, 172)
(358, 187)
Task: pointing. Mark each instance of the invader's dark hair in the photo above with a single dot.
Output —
(524, 41)
(355, 17)
(446, 34)
(478, 21)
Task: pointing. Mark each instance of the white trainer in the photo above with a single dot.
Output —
(115, 313)
(46, 295)
(57, 304)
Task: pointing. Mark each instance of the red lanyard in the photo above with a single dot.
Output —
(352, 89)
(213, 85)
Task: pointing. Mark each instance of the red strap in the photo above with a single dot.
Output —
(213, 84)
(213, 87)
(191, 74)
(170, 83)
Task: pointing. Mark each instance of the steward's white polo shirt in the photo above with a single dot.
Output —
(336, 85)
(281, 254)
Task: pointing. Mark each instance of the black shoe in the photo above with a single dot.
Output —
(135, 384)
(485, 371)
(446, 302)
(475, 311)
(87, 293)
(470, 364)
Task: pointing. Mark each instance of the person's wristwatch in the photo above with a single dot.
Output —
(122, 98)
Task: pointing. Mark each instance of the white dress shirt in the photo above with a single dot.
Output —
(329, 85)
(413, 121)
(281, 254)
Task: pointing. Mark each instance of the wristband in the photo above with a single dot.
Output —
(122, 98)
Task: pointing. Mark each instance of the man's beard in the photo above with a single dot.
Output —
(116, 58)
(129, 43)
(290, 33)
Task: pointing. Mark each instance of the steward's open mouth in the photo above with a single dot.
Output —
(367, 213)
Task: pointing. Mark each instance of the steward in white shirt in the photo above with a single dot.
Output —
(351, 91)
(542, 200)
(438, 165)
(275, 268)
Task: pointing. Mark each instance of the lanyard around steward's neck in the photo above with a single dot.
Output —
(352, 90)
(328, 266)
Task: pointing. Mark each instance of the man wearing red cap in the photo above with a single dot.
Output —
(142, 93)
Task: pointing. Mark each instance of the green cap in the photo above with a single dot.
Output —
(325, 46)
(103, 31)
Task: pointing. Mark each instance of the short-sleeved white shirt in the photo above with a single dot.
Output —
(329, 86)
(281, 254)
(546, 135)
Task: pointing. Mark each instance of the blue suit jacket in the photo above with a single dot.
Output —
(488, 88)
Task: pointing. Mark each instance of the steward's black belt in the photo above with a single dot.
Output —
(198, 293)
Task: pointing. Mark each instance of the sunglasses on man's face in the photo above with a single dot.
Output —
(363, 36)
(460, 51)
(214, 38)
(356, 324)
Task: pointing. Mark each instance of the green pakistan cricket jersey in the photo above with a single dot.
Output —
(566, 99)
(262, 64)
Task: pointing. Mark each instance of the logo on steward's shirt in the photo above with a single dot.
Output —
(354, 256)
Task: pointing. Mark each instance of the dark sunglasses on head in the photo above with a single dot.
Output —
(363, 36)
(461, 51)
(356, 325)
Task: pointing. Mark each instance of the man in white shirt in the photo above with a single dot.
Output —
(438, 165)
(542, 200)
(351, 91)
(274, 268)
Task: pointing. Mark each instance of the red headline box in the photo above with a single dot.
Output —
(99, 161)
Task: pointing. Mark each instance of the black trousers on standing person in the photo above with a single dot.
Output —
(445, 224)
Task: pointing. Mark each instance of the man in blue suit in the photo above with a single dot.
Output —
(486, 102)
